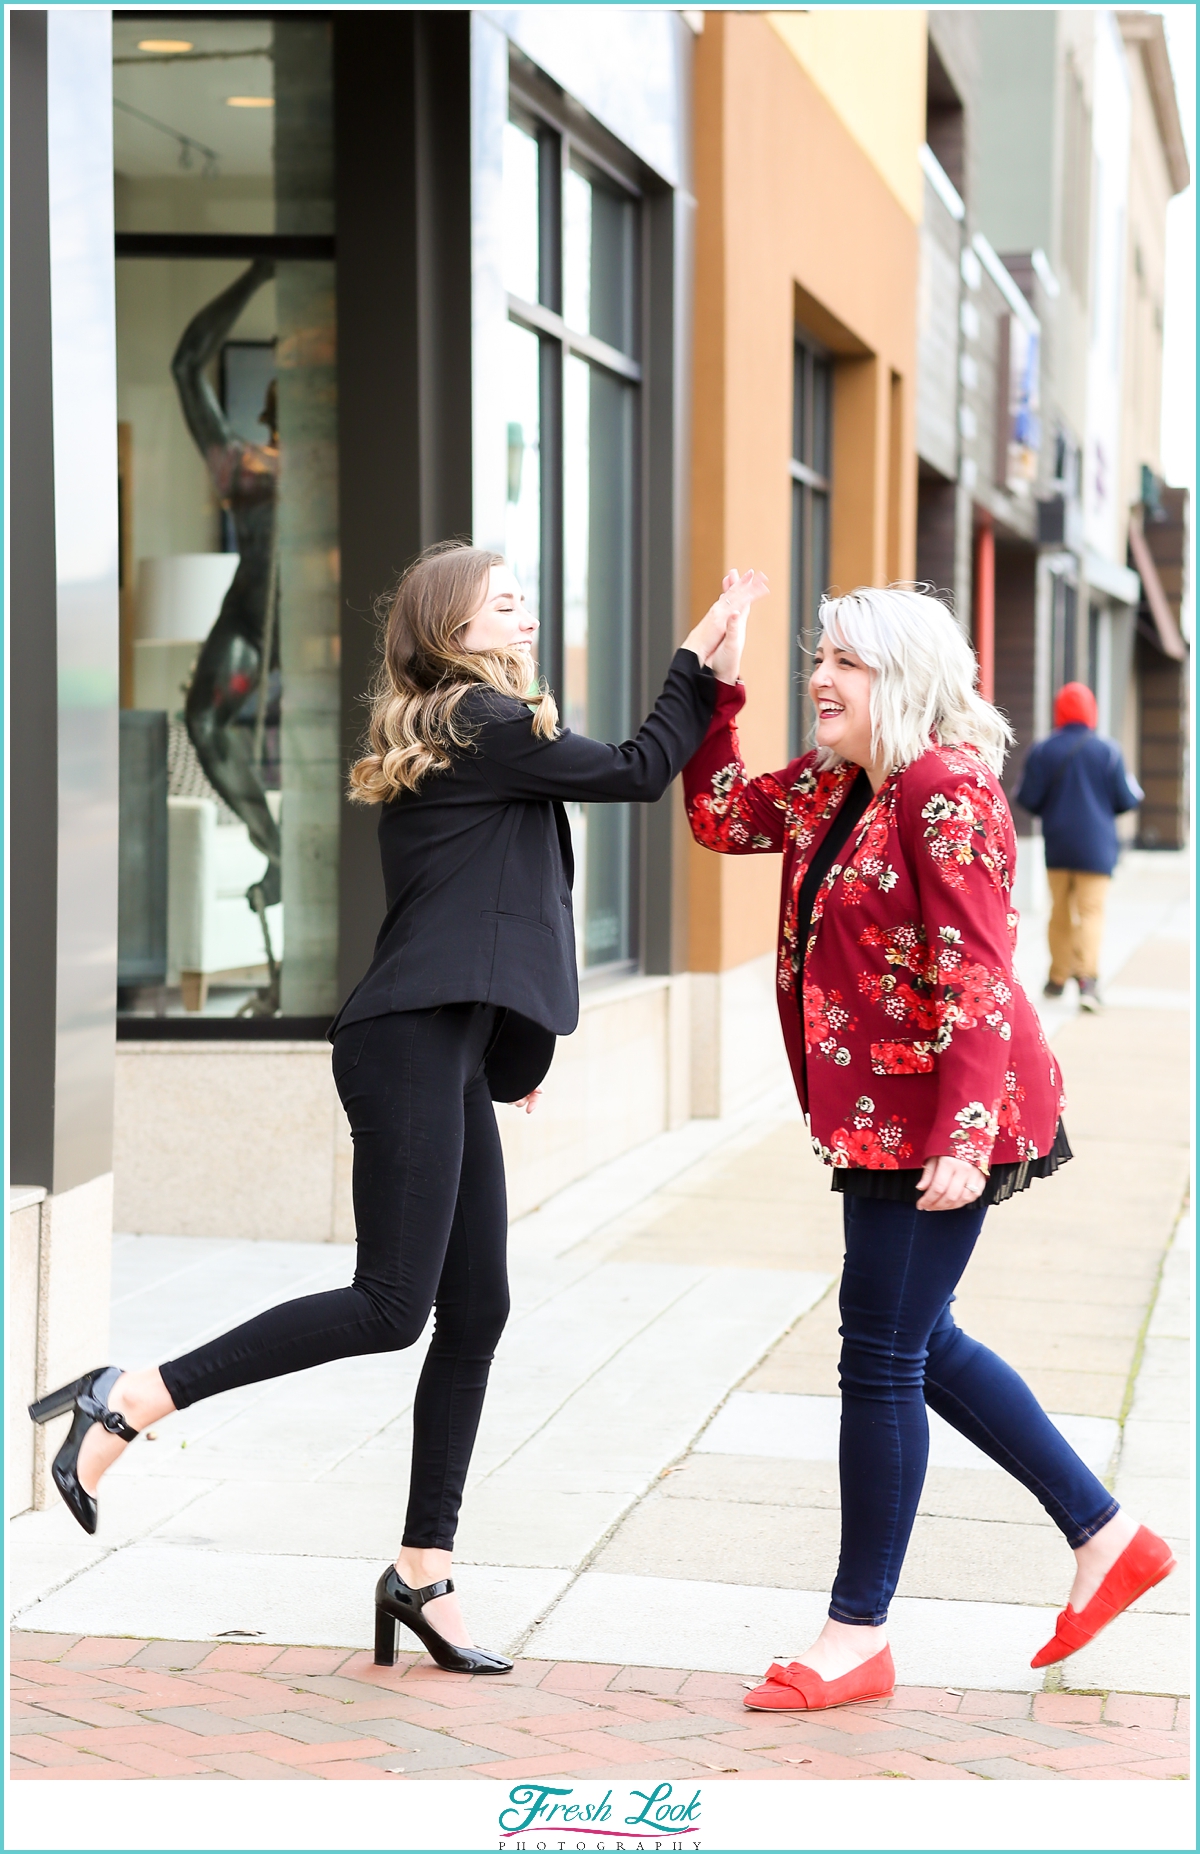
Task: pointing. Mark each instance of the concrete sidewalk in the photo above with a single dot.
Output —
(655, 1483)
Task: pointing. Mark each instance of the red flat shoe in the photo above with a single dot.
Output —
(797, 1688)
(1145, 1561)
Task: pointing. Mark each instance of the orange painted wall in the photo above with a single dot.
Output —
(794, 224)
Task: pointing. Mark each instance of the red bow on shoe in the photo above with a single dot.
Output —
(797, 1688)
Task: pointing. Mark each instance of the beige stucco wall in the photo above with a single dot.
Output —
(59, 1274)
(21, 1297)
(249, 1139)
(869, 63)
(796, 226)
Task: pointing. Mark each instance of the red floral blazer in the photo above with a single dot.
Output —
(912, 1038)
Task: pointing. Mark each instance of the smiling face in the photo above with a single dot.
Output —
(502, 620)
(840, 686)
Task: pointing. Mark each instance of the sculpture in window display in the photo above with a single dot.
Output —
(239, 653)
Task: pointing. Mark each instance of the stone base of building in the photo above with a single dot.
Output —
(249, 1139)
(59, 1266)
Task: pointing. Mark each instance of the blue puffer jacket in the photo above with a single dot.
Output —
(1077, 784)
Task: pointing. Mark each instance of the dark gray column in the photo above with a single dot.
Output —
(402, 110)
(63, 614)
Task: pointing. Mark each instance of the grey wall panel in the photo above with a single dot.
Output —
(32, 707)
(937, 337)
(402, 114)
(1014, 128)
(83, 326)
(63, 512)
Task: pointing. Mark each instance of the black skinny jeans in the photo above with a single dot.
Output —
(432, 1225)
(901, 1352)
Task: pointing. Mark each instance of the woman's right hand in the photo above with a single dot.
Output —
(719, 638)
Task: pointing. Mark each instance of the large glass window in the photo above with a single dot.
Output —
(573, 407)
(226, 356)
(812, 447)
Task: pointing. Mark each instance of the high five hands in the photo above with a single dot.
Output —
(720, 637)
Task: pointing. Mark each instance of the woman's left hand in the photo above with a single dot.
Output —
(949, 1184)
(738, 593)
(528, 1101)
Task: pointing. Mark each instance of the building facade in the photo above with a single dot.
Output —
(299, 295)
(1053, 145)
(630, 296)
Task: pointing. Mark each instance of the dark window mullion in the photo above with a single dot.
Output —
(551, 643)
(551, 155)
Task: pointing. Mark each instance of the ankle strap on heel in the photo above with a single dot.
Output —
(112, 1420)
(443, 1587)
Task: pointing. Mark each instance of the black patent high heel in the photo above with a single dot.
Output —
(396, 1603)
(88, 1397)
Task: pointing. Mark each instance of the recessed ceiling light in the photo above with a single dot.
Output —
(250, 102)
(165, 45)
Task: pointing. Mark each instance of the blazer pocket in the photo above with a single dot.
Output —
(902, 1056)
(515, 920)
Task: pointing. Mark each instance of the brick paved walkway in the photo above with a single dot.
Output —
(89, 1708)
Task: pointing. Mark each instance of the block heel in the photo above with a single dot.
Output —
(387, 1637)
(396, 1603)
(88, 1398)
(57, 1403)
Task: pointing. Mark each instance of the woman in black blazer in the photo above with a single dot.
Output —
(473, 978)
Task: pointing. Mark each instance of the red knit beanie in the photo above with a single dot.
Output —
(1075, 702)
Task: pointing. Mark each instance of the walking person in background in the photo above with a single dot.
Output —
(474, 976)
(1075, 781)
(929, 1090)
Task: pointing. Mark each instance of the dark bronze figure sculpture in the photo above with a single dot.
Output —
(242, 648)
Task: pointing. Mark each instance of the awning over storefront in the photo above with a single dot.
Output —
(1170, 640)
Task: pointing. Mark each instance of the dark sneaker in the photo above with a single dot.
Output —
(1051, 990)
(1089, 998)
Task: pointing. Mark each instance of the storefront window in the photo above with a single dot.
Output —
(227, 384)
(573, 393)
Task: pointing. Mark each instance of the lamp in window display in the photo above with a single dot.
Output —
(242, 648)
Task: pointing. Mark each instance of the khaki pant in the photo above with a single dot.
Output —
(1076, 923)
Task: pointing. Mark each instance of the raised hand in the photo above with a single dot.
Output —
(738, 593)
(728, 612)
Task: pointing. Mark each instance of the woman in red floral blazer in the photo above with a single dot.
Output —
(928, 1086)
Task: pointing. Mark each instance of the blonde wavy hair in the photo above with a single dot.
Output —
(924, 675)
(425, 673)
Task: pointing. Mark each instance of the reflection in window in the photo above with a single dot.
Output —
(598, 473)
(229, 537)
(812, 448)
(598, 266)
(523, 519)
(572, 424)
(521, 212)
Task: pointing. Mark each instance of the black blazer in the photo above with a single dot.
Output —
(477, 868)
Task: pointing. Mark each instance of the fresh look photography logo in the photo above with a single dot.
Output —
(560, 1816)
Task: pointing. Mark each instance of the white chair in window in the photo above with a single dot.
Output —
(211, 929)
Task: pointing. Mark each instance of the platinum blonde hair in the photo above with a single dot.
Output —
(923, 681)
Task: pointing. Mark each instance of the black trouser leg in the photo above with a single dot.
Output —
(469, 1314)
(431, 1223)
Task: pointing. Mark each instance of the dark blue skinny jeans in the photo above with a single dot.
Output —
(901, 1351)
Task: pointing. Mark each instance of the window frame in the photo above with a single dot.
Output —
(562, 129)
(240, 247)
(812, 488)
